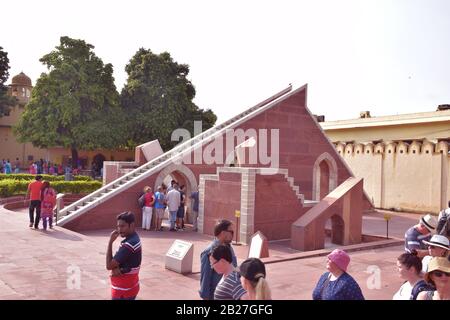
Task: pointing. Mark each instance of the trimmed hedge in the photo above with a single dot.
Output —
(11, 187)
(48, 177)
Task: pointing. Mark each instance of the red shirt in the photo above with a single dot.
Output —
(149, 199)
(34, 188)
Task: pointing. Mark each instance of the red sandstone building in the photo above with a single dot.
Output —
(293, 199)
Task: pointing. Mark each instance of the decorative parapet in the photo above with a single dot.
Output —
(379, 148)
(340, 147)
(428, 147)
(368, 148)
(349, 149)
(358, 148)
(442, 147)
(415, 147)
(392, 147)
(402, 147)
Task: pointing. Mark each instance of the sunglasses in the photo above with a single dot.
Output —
(441, 273)
(212, 264)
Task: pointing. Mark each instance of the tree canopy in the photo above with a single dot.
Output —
(157, 99)
(75, 104)
(6, 102)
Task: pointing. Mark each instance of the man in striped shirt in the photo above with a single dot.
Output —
(209, 279)
(415, 235)
(229, 287)
(126, 262)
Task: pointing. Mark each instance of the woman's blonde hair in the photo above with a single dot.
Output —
(262, 289)
(254, 271)
(147, 188)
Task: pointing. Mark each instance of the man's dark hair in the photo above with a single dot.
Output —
(126, 216)
(449, 203)
(38, 177)
(222, 251)
(221, 226)
(172, 182)
(411, 260)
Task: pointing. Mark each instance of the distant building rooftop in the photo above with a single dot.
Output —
(394, 120)
(21, 79)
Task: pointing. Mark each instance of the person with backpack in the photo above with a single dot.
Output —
(422, 231)
(48, 202)
(443, 226)
(146, 201)
(409, 269)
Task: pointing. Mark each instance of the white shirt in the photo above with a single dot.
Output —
(173, 200)
(425, 261)
(404, 293)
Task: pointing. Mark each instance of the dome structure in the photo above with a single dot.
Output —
(21, 79)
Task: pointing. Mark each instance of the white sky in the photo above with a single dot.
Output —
(389, 57)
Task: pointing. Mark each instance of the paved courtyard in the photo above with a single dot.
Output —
(44, 265)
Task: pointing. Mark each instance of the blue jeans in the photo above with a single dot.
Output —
(172, 218)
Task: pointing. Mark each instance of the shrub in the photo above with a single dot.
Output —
(28, 177)
(10, 187)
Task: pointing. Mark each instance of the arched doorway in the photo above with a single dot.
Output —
(334, 231)
(324, 176)
(184, 176)
(324, 179)
(337, 230)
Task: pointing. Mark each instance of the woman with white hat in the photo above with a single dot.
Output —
(439, 276)
(438, 246)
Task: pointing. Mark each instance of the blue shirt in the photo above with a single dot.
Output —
(7, 168)
(209, 278)
(414, 240)
(159, 196)
(343, 288)
(129, 254)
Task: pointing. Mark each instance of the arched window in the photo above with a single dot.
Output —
(324, 176)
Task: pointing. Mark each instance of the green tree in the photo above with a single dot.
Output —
(157, 99)
(75, 104)
(6, 102)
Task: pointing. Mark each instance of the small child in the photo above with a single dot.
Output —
(48, 202)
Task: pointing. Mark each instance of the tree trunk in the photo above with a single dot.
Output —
(74, 157)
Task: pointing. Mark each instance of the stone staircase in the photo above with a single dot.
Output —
(136, 175)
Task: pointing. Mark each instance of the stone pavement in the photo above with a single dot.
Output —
(42, 265)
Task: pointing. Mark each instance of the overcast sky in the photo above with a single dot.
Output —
(389, 57)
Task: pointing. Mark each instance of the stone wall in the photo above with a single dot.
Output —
(407, 176)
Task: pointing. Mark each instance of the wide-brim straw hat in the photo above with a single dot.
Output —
(437, 263)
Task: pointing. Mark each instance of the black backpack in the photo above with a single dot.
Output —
(443, 226)
(419, 287)
(141, 201)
